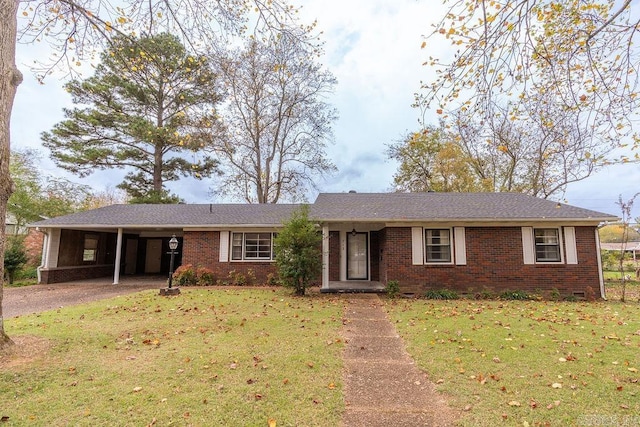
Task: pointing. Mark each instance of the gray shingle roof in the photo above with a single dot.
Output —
(176, 215)
(333, 207)
(446, 206)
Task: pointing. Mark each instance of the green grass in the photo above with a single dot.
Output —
(206, 357)
(517, 362)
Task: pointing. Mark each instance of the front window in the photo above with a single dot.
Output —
(438, 245)
(547, 244)
(252, 246)
(90, 252)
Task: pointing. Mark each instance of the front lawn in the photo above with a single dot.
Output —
(528, 363)
(206, 357)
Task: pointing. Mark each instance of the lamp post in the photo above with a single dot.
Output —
(173, 245)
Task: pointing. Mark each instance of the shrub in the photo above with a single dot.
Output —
(515, 295)
(272, 279)
(205, 276)
(392, 288)
(554, 295)
(185, 275)
(441, 294)
(236, 278)
(298, 254)
(589, 294)
(15, 256)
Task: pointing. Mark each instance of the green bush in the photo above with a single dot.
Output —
(185, 275)
(392, 288)
(515, 295)
(205, 276)
(298, 254)
(441, 294)
(15, 256)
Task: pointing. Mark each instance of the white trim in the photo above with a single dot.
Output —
(460, 246)
(244, 259)
(417, 245)
(424, 246)
(528, 246)
(570, 245)
(223, 253)
(600, 273)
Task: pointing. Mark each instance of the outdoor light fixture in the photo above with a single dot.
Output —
(354, 232)
(173, 245)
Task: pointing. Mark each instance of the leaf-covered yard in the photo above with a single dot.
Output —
(207, 357)
(215, 356)
(528, 363)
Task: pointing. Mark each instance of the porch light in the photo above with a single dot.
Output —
(173, 245)
(354, 232)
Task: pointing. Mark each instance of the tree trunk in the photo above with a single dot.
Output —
(10, 78)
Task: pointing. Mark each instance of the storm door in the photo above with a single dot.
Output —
(357, 256)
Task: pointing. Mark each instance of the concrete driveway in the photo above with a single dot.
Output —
(37, 298)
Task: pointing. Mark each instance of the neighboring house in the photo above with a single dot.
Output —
(632, 247)
(32, 239)
(468, 242)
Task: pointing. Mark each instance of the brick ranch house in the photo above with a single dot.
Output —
(468, 242)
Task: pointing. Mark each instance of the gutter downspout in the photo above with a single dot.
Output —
(600, 274)
(45, 253)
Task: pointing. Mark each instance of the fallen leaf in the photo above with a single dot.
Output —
(137, 389)
(467, 408)
(632, 369)
(272, 422)
(623, 406)
(514, 403)
(556, 385)
(258, 396)
(310, 364)
(496, 359)
(331, 386)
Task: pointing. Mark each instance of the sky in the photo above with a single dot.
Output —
(373, 47)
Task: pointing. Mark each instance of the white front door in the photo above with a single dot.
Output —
(357, 257)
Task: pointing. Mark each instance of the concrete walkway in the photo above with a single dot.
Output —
(382, 384)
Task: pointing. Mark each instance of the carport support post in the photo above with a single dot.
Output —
(325, 257)
(116, 271)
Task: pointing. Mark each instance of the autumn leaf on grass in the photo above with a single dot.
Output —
(514, 403)
(272, 422)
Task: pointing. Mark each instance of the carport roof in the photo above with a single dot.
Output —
(337, 207)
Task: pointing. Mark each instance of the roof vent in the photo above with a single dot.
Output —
(352, 191)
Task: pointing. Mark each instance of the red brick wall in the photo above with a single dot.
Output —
(202, 249)
(494, 262)
(68, 274)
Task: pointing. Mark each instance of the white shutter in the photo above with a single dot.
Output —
(570, 245)
(460, 245)
(417, 246)
(528, 245)
(224, 246)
